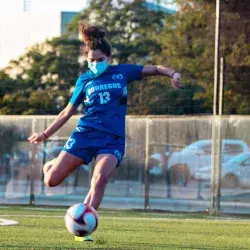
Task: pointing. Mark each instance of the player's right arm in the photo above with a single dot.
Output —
(59, 121)
(63, 116)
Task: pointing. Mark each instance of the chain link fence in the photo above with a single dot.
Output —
(167, 165)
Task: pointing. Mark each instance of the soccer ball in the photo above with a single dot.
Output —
(81, 219)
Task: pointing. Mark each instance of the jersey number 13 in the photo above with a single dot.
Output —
(104, 97)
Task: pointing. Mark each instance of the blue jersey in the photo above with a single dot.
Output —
(105, 97)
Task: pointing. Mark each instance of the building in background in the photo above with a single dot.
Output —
(156, 7)
(26, 5)
(22, 30)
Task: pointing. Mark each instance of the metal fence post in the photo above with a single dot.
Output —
(146, 176)
(219, 148)
(199, 196)
(216, 66)
(44, 159)
(213, 162)
(33, 159)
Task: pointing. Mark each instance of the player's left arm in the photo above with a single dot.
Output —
(164, 71)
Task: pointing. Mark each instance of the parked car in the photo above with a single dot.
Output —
(234, 173)
(183, 165)
(156, 162)
(158, 159)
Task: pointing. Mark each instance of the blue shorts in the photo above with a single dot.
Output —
(86, 143)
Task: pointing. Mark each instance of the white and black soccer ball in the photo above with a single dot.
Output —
(81, 219)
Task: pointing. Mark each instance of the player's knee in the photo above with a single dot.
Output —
(100, 180)
(50, 180)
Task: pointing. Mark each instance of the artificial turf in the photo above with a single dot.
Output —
(43, 228)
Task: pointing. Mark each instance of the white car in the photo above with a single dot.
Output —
(234, 173)
(184, 164)
(159, 159)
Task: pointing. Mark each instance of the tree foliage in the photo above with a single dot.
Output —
(131, 27)
(39, 82)
(235, 48)
(189, 44)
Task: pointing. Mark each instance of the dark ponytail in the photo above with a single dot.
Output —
(93, 37)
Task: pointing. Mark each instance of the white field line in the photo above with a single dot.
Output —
(4, 222)
(44, 209)
(31, 216)
(229, 220)
(61, 209)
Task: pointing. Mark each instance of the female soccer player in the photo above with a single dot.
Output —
(100, 133)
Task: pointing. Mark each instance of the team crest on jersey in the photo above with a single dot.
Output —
(117, 77)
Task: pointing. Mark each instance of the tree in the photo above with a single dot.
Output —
(235, 47)
(184, 48)
(40, 80)
(189, 44)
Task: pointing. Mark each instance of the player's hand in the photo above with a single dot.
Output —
(35, 138)
(176, 81)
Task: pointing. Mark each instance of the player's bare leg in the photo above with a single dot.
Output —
(105, 165)
(58, 169)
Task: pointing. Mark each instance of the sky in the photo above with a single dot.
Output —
(45, 5)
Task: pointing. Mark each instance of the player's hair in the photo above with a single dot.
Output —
(93, 38)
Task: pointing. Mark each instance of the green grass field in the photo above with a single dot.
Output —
(43, 228)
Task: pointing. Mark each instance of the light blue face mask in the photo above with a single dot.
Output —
(98, 68)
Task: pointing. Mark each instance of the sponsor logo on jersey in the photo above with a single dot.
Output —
(117, 77)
